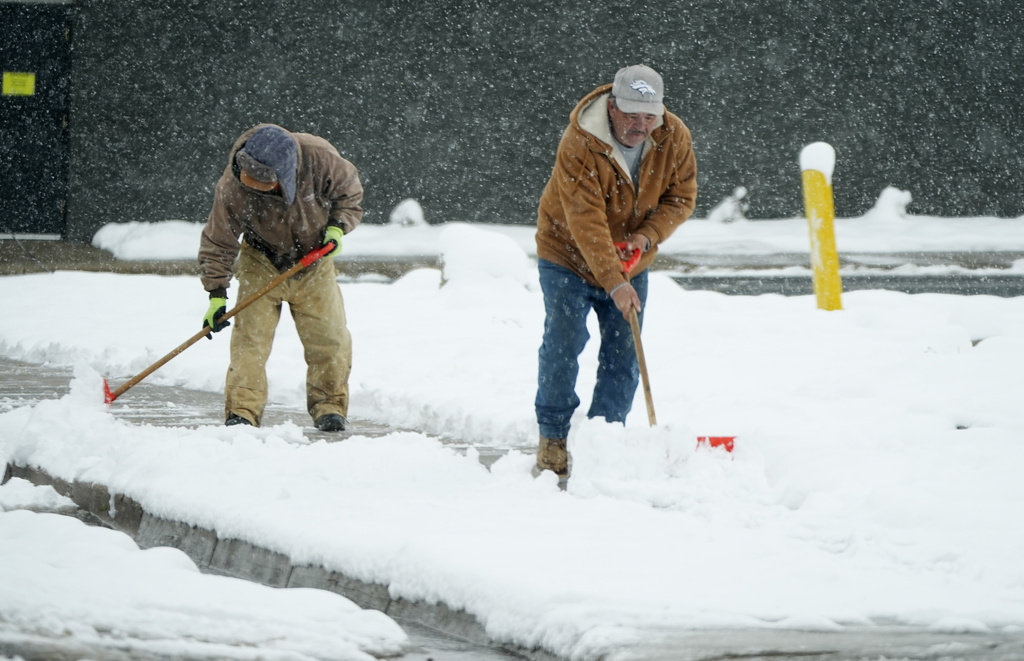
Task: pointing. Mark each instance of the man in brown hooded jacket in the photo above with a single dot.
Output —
(625, 173)
(285, 194)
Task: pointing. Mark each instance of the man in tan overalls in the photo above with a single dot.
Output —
(285, 194)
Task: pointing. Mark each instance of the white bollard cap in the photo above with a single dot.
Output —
(819, 156)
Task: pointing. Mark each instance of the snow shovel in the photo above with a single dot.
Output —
(308, 260)
(726, 442)
(634, 323)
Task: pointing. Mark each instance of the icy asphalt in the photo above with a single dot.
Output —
(439, 634)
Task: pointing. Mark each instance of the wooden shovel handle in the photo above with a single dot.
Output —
(634, 323)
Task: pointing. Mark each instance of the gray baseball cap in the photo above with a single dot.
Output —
(639, 89)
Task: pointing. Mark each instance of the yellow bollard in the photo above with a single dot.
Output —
(817, 161)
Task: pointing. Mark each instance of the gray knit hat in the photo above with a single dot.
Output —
(639, 88)
(271, 155)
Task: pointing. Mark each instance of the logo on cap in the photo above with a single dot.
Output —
(643, 87)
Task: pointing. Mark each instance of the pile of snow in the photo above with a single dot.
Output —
(820, 157)
(890, 206)
(407, 213)
(732, 208)
(136, 241)
(470, 254)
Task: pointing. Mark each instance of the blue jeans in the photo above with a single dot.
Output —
(567, 301)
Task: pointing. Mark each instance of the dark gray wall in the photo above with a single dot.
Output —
(460, 104)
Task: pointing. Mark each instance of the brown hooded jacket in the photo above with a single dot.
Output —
(590, 203)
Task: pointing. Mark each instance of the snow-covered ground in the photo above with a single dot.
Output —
(875, 477)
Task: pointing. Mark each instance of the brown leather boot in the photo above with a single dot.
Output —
(552, 456)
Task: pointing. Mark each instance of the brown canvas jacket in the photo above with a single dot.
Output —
(589, 202)
(327, 192)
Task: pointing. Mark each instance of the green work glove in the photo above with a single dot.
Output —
(217, 308)
(334, 234)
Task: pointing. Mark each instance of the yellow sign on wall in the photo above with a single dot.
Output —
(19, 84)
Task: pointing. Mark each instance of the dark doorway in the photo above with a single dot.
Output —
(35, 60)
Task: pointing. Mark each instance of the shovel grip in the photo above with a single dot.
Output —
(628, 264)
(316, 254)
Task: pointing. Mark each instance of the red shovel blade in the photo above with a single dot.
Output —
(108, 396)
(717, 441)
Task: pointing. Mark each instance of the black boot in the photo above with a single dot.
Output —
(331, 422)
(235, 419)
